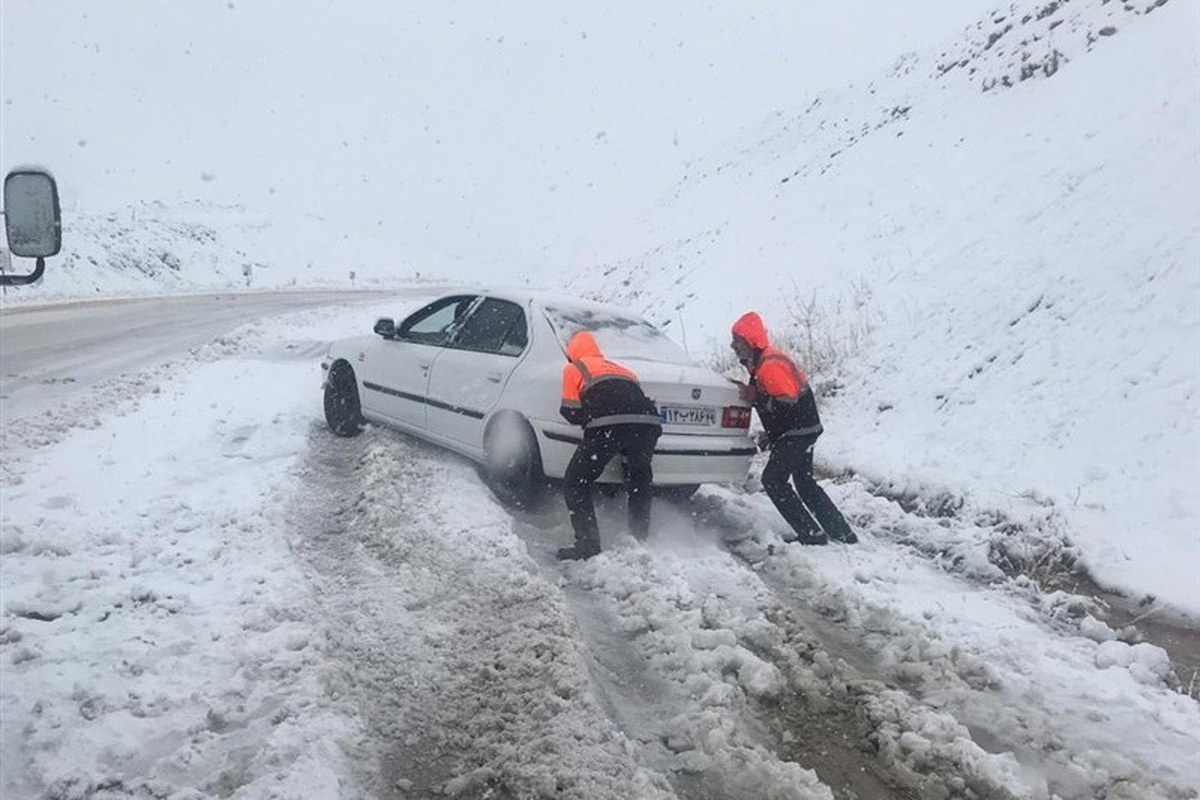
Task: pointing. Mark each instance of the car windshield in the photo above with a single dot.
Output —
(619, 335)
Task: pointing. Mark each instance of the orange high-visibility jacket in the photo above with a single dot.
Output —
(785, 402)
(598, 392)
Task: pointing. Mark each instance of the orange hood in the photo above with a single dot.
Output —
(582, 344)
(751, 328)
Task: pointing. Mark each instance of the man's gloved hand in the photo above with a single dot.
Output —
(763, 441)
(747, 392)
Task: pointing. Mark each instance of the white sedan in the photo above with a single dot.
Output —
(480, 373)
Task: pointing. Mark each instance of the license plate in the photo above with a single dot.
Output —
(688, 415)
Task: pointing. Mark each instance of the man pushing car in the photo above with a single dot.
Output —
(606, 398)
(787, 407)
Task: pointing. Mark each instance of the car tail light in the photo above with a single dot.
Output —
(736, 417)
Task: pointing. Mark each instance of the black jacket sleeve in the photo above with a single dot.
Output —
(573, 415)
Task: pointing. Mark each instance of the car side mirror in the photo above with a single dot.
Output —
(386, 327)
(32, 220)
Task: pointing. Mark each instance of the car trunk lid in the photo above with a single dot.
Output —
(690, 399)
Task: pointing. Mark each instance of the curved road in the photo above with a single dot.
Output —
(48, 353)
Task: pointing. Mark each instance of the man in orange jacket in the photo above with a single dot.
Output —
(617, 417)
(787, 408)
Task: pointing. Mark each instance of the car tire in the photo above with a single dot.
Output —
(512, 461)
(679, 493)
(343, 411)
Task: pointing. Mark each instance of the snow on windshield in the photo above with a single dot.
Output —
(619, 335)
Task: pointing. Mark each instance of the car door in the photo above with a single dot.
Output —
(396, 372)
(469, 375)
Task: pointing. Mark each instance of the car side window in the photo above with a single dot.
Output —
(436, 322)
(497, 326)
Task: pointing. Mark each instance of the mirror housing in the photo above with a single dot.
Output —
(386, 327)
(32, 220)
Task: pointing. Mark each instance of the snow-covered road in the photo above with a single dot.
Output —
(51, 352)
(205, 594)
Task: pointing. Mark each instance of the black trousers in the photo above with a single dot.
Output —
(635, 442)
(806, 507)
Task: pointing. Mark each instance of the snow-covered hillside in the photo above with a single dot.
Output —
(155, 247)
(1000, 240)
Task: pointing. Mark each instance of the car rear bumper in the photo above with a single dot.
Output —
(678, 459)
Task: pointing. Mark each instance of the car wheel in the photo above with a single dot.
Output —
(678, 493)
(343, 412)
(512, 461)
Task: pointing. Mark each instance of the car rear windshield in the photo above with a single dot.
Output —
(619, 335)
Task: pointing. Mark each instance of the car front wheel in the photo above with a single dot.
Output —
(343, 412)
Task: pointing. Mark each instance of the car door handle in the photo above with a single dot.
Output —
(424, 365)
(495, 377)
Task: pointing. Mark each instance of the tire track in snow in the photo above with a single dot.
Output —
(848, 704)
(781, 675)
(724, 690)
(478, 733)
(928, 683)
(690, 718)
(460, 655)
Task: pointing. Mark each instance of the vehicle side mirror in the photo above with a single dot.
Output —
(386, 327)
(32, 220)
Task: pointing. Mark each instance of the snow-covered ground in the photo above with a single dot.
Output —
(240, 604)
(987, 256)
